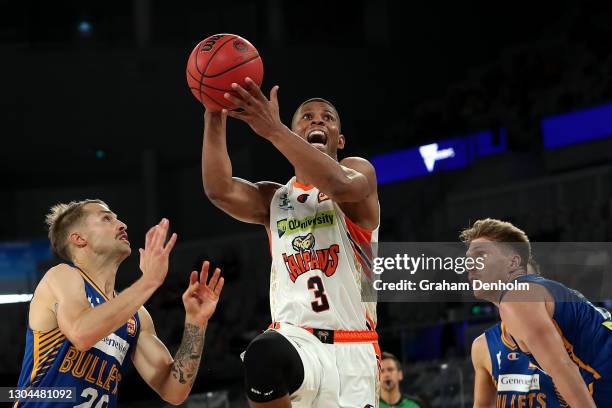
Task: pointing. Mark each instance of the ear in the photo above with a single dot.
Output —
(77, 240)
(515, 261)
(401, 375)
(341, 142)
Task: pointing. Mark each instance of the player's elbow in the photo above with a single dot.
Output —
(216, 191)
(82, 343)
(214, 194)
(175, 399)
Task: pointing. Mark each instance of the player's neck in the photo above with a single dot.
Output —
(301, 179)
(101, 270)
(391, 396)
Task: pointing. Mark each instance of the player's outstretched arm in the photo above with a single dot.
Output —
(342, 183)
(530, 323)
(83, 325)
(243, 200)
(484, 388)
(172, 378)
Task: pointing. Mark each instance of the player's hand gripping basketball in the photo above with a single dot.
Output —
(261, 114)
(200, 299)
(154, 256)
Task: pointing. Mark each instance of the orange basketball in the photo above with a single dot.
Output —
(218, 61)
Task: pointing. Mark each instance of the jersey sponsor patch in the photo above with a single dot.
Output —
(292, 225)
(518, 382)
(114, 346)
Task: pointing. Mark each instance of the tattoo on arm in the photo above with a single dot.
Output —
(187, 359)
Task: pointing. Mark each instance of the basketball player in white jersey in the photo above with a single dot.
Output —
(321, 349)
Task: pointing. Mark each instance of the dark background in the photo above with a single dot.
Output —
(94, 104)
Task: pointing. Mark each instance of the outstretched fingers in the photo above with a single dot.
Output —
(274, 96)
(236, 115)
(170, 243)
(235, 100)
(204, 273)
(219, 287)
(254, 90)
(244, 94)
(216, 282)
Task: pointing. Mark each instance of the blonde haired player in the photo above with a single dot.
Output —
(81, 332)
(321, 350)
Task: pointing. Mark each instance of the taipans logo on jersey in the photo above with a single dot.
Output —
(309, 259)
(284, 203)
(322, 197)
(301, 244)
(513, 356)
(302, 198)
(293, 225)
(131, 327)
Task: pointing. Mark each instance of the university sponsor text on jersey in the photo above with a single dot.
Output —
(293, 225)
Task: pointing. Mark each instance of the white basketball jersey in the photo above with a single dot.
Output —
(319, 258)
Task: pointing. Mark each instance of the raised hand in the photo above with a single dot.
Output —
(154, 257)
(200, 299)
(261, 114)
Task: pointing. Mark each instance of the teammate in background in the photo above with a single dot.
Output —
(561, 331)
(80, 330)
(391, 374)
(322, 348)
(504, 377)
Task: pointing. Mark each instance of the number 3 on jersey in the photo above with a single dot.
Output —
(320, 304)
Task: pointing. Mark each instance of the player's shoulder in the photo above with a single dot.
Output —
(480, 348)
(61, 270)
(480, 342)
(357, 163)
(268, 185)
(531, 292)
(62, 276)
(146, 321)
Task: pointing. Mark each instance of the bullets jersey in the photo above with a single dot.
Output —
(319, 259)
(50, 360)
(519, 383)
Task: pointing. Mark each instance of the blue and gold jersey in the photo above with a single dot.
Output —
(519, 383)
(50, 360)
(587, 336)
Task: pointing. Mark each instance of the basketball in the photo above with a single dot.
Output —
(218, 61)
